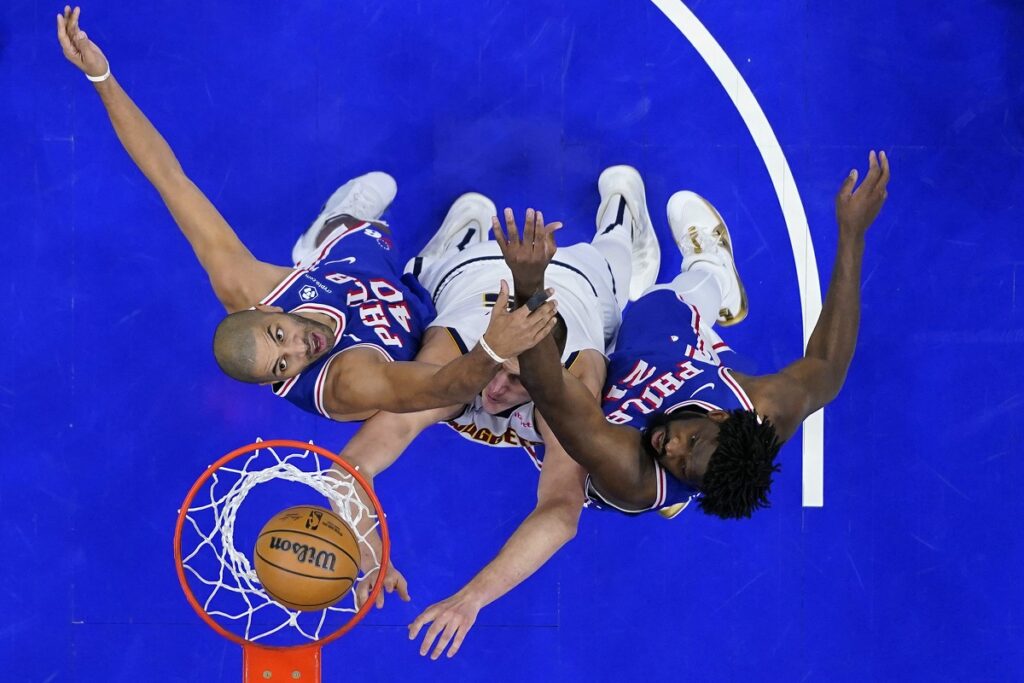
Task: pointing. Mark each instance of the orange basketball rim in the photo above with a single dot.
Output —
(261, 662)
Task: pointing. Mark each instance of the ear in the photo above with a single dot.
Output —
(263, 308)
(718, 416)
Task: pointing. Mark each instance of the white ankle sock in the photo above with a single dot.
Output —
(700, 288)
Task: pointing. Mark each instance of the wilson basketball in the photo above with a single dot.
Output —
(306, 557)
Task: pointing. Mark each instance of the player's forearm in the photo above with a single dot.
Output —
(457, 382)
(835, 335)
(537, 539)
(141, 140)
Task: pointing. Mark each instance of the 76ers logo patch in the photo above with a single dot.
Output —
(384, 242)
(308, 293)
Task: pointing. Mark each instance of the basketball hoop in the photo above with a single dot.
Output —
(220, 582)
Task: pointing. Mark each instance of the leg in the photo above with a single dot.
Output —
(704, 241)
(625, 236)
(700, 289)
(364, 198)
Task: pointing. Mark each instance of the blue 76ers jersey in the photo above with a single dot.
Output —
(355, 281)
(666, 358)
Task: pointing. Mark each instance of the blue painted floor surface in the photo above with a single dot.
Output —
(111, 403)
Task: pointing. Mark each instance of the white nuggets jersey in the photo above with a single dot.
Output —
(463, 288)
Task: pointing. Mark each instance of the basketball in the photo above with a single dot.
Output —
(306, 557)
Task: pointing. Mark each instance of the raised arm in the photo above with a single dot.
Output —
(239, 280)
(551, 524)
(810, 383)
(610, 453)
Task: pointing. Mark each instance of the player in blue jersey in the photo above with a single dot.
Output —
(322, 334)
(677, 423)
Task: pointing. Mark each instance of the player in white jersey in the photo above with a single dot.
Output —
(325, 334)
(638, 450)
(592, 281)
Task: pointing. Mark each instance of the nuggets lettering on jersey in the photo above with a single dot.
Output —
(667, 359)
(513, 428)
(355, 282)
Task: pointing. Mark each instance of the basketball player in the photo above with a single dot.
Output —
(593, 282)
(676, 423)
(322, 334)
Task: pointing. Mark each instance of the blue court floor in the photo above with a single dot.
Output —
(111, 403)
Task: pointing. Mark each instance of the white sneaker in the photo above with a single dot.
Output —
(468, 222)
(364, 198)
(625, 182)
(702, 237)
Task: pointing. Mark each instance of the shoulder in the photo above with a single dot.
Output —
(245, 284)
(778, 397)
(591, 368)
(349, 375)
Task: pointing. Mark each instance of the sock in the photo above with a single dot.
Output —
(614, 240)
(699, 288)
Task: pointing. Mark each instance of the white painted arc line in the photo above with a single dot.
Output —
(792, 210)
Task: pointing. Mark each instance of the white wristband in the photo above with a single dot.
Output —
(490, 352)
(101, 78)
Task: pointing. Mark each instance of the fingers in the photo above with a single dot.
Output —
(513, 231)
(883, 180)
(62, 34)
(543, 320)
(446, 637)
(428, 640)
(460, 636)
(501, 303)
(402, 586)
(846, 189)
(419, 622)
(873, 171)
(73, 21)
(499, 234)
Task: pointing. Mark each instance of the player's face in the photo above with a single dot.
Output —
(684, 446)
(505, 390)
(287, 344)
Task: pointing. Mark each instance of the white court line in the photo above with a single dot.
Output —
(792, 209)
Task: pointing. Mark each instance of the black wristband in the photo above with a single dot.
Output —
(535, 301)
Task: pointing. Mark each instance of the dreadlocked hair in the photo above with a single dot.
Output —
(740, 470)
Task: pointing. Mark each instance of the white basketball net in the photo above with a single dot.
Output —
(233, 594)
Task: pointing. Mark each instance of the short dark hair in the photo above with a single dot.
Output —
(739, 473)
(234, 346)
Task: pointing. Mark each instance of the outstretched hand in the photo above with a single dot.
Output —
(77, 47)
(452, 619)
(527, 257)
(857, 209)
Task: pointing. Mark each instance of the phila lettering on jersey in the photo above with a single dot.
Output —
(355, 281)
(667, 359)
